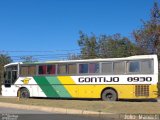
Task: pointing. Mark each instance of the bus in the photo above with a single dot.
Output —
(109, 79)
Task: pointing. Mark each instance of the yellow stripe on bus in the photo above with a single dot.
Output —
(81, 91)
(66, 80)
(69, 84)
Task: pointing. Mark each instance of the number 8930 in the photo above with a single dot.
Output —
(139, 79)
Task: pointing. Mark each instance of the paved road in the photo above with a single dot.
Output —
(19, 111)
(17, 114)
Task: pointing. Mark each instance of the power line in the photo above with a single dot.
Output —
(42, 55)
(36, 51)
(18, 55)
(45, 56)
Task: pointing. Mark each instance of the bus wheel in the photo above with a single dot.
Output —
(109, 95)
(24, 93)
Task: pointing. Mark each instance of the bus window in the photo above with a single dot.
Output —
(11, 68)
(51, 69)
(8, 77)
(119, 67)
(28, 70)
(83, 68)
(32, 70)
(62, 69)
(147, 66)
(42, 69)
(24, 71)
(11, 75)
(14, 76)
(133, 66)
(107, 68)
(93, 68)
(72, 69)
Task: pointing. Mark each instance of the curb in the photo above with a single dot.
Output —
(50, 109)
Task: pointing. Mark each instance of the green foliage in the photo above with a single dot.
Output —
(148, 36)
(116, 46)
(4, 59)
(88, 46)
(106, 46)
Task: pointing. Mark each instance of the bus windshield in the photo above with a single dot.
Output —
(10, 75)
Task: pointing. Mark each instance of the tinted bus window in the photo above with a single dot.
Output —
(147, 66)
(107, 68)
(51, 69)
(32, 70)
(119, 67)
(28, 70)
(62, 69)
(42, 69)
(134, 66)
(83, 68)
(72, 69)
(24, 71)
(93, 68)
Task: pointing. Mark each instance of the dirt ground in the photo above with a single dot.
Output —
(118, 107)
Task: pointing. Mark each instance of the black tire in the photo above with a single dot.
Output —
(109, 95)
(24, 93)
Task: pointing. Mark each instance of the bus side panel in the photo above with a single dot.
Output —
(123, 91)
(80, 91)
(136, 91)
(85, 91)
(153, 92)
(29, 83)
(9, 91)
(65, 87)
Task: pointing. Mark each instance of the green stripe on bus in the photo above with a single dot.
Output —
(60, 89)
(46, 86)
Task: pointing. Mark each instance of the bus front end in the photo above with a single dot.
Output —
(10, 76)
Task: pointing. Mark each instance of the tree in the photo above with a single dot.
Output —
(4, 59)
(148, 36)
(88, 45)
(106, 46)
(116, 46)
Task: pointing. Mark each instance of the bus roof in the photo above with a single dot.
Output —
(89, 60)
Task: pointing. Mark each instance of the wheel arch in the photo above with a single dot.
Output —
(21, 89)
(109, 88)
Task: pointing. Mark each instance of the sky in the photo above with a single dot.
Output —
(50, 28)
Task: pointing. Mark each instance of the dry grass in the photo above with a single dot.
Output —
(94, 105)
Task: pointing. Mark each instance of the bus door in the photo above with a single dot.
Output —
(10, 75)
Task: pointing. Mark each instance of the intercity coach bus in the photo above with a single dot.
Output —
(110, 79)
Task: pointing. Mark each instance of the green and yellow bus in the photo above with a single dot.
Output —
(110, 79)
